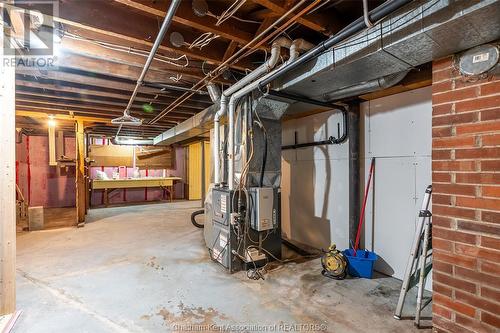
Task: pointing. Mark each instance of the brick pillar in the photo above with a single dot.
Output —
(466, 201)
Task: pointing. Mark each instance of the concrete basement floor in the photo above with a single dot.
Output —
(145, 269)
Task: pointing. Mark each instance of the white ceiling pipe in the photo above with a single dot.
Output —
(127, 118)
(255, 74)
(296, 46)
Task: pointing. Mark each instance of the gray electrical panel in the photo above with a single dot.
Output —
(263, 212)
(221, 206)
(221, 247)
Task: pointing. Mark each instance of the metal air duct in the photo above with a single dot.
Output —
(414, 35)
(365, 87)
(213, 91)
(131, 142)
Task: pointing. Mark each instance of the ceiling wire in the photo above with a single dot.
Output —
(230, 13)
(236, 56)
(181, 99)
(203, 40)
(129, 49)
(176, 78)
(119, 129)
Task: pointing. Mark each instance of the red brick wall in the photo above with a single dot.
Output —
(466, 201)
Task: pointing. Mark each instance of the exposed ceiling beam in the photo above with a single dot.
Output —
(116, 63)
(231, 48)
(50, 102)
(82, 54)
(111, 26)
(266, 23)
(42, 115)
(95, 109)
(314, 21)
(83, 79)
(185, 16)
(85, 113)
(87, 90)
(123, 103)
(117, 70)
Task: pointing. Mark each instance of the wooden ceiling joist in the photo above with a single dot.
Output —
(104, 46)
(91, 79)
(120, 30)
(42, 111)
(185, 16)
(88, 90)
(94, 99)
(131, 71)
(43, 115)
(88, 56)
(49, 108)
(110, 82)
(315, 22)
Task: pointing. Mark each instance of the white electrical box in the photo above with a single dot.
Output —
(253, 255)
(262, 208)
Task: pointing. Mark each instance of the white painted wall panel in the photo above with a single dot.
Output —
(397, 132)
(315, 180)
(399, 125)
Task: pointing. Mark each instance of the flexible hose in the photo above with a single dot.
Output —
(193, 218)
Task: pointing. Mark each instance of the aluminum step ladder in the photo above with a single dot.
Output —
(417, 268)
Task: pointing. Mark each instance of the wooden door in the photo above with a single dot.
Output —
(194, 171)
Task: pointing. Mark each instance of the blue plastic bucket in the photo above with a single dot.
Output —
(360, 265)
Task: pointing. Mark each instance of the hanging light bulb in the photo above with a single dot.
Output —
(52, 121)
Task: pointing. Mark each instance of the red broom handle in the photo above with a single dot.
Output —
(362, 216)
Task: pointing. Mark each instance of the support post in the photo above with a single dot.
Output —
(52, 145)
(354, 169)
(80, 174)
(7, 185)
(88, 192)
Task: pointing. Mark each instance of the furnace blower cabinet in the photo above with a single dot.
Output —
(248, 239)
(242, 227)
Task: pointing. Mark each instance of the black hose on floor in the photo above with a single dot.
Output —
(193, 218)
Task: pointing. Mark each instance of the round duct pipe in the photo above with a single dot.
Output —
(365, 87)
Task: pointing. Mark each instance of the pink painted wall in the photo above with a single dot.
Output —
(22, 166)
(140, 194)
(46, 186)
(49, 188)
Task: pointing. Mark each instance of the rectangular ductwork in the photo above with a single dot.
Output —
(414, 35)
(417, 34)
(197, 125)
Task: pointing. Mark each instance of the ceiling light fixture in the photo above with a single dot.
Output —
(52, 121)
